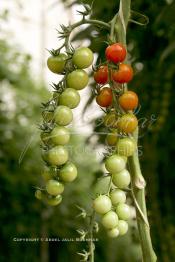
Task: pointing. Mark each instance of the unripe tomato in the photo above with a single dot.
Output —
(60, 135)
(63, 115)
(57, 63)
(54, 201)
(123, 211)
(47, 174)
(126, 146)
(128, 101)
(110, 220)
(123, 75)
(117, 196)
(57, 156)
(122, 227)
(102, 204)
(114, 232)
(110, 120)
(104, 98)
(38, 194)
(112, 138)
(83, 57)
(127, 123)
(115, 53)
(54, 188)
(70, 97)
(68, 172)
(77, 79)
(121, 179)
(114, 164)
(101, 75)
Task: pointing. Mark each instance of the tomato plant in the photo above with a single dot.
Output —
(104, 98)
(115, 53)
(101, 75)
(123, 75)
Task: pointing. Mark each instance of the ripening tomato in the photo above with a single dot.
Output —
(101, 75)
(112, 138)
(54, 201)
(57, 63)
(83, 57)
(104, 98)
(115, 53)
(127, 123)
(54, 187)
(123, 75)
(129, 100)
(126, 146)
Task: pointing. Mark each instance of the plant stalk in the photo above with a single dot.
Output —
(138, 182)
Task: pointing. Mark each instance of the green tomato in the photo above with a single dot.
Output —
(112, 138)
(63, 115)
(54, 188)
(57, 63)
(114, 164)
(102, 204)
(70, 97)
(83, 57)
(117, 196)
(122, 227)
(114, 232)
(47, 174)
(126, 146)
(38, 194)
(54, 201)
(60, 135)
(78, 79)
(122, 179)
(57, 156)
(110, 220)
(123, 211)
(68, 172)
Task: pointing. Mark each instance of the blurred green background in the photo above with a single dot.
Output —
(152, 50)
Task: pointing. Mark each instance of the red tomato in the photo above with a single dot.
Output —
(115, 53)
(104, 99)
(101, 75)
(124, 74)
(129, 100)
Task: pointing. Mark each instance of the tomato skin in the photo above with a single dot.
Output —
(114, 164)
(54, 188)
(60, 135)
(101, 75)
(63, 115)
(54, 201)
(70, 97)
(129, 100)
(83, 57)
(123, 211)
(110, 220)
(102, 204)
(114, 232)
(123, 75)
(57, 156)
(77, 79)
(68, 172)
(122, 227)
(121, 179)
(117, 196)
(57, 63)
(127, 123)
(104, 98)
(115, 53)
(126, 146)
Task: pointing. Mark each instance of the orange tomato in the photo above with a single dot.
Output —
(129, 100)
(104, 98)
(124, 74)
(127, 123)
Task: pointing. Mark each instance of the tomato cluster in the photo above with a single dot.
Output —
(120, 122)
(57, 115)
